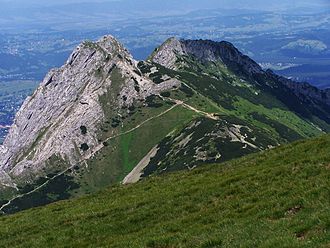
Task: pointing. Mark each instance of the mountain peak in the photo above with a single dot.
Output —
(111, 44)
(205, 51)
(166, 54)
(107, 47)
(66, 94)
(61, 121)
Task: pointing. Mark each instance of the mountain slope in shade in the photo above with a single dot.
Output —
(104, 117)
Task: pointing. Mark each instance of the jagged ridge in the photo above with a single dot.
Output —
(48, 125)
(103, 113)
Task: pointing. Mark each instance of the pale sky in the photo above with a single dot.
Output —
(261, 4)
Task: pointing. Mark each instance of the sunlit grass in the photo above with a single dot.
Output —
(278, 198)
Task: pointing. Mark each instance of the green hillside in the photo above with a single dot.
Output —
(276, 198)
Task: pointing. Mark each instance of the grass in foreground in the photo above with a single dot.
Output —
(278, 198)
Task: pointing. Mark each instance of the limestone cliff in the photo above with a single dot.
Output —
(62, 118)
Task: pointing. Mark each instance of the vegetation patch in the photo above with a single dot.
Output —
(84, 147)
(165, 94)
(186, 90)
(205, 141)
(56, 189)
(154, 101)
(83, 130)
(115, 122)
(144, 67)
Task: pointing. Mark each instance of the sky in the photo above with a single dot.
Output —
(174, 4)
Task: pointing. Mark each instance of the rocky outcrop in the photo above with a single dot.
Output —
(203, 50)
(61, 119)
(166, 54)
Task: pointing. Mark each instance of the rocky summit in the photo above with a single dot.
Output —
(205, 51)
(104, 118)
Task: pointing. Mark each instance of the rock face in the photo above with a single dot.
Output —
(203, 50)
(61, 119)
(166, 54)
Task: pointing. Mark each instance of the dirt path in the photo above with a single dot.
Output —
(100, 146)
(135, 175)
(34, 190)
(208, 115)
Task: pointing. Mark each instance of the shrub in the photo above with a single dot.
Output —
(83, 130)
(84, 147)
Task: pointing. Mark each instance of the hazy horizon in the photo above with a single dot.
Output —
(19, 15)
(290, 33)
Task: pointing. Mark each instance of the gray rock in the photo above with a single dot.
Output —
(204, 50)
(48, 123)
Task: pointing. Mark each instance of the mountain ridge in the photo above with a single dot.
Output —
(212, 51)
(94, 120)
(205, 50)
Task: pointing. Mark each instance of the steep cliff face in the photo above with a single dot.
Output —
(65, 100)
(61, 120)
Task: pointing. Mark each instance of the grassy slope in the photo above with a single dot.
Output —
(244, 99)
(122, 154)
(278, 198)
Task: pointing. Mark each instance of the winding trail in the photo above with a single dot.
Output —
(208, 115)
(100, 146)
